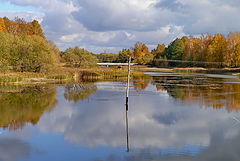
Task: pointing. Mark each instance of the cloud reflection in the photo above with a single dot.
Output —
(154, 122)
(13, 149)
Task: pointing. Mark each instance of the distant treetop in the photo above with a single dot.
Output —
(19, 26)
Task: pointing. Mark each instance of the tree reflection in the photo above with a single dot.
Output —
(208, 92)
(140, 82)
(21, 105)
(77, 92)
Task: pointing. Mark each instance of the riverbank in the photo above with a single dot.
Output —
(63, 75)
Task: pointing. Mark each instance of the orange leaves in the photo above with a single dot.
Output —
(2, 25)
(20, 27)
(141, 53)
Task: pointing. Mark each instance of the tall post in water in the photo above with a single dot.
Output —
(128, 82)
(127, 96)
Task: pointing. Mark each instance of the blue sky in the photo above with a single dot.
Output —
(110, 25)
(9, 7)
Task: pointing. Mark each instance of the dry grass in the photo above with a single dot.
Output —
(63, 75)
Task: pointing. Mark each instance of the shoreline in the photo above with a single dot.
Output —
(63, 75)
(143, 68)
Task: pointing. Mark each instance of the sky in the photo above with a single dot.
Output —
(110, 25)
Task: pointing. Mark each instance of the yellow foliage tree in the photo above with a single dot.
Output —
(232, 58)
(217, 49)
(141, 53)
(2, 25)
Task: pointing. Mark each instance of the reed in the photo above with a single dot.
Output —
(64, 75)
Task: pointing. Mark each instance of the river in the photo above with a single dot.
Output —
(171, 117)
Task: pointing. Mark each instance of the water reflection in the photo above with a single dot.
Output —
(161, 128)
(13, 149)
(81, 91)
(21, 105)
(127, 132)
(220, 149)
(211, 92)
(151, 118)
(140, 82)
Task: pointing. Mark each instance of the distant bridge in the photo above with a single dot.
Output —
(115, 64)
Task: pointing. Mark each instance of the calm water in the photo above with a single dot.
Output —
(171, 117)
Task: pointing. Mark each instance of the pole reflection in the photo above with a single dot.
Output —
(127, 95)
(127, 132)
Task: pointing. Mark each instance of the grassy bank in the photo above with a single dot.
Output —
(63, 75)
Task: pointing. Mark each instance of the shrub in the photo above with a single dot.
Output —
(77, 57)
(25, 53)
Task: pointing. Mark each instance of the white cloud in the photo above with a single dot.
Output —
(120, 23)
(28, 16)
(69, 38)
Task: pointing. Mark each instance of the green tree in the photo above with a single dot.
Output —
(107, 57)
(123, 56)
(25, 53)
(175, 50)
(78, 57)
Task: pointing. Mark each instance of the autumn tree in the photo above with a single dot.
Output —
(19, 26)
(141, 54)
(6, 22)
(160, 58)
(36, 28)
(12, 27)
(2, 25)
(217, 49)
(232, 57)
(159, 51)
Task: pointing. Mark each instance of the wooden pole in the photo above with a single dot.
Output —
(128, 82)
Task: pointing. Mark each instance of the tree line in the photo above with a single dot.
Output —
(213, 50)
(24, 48)
(205, 51)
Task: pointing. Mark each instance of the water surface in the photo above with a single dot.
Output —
(172, 117)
